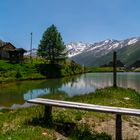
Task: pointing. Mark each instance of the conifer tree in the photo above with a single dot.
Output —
(51, 45)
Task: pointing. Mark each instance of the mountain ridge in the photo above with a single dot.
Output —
(99, 53)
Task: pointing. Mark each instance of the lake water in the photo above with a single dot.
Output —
(14, 94)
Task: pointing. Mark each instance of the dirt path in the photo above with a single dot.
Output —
(130, 127)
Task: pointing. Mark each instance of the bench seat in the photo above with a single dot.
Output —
(84, 106)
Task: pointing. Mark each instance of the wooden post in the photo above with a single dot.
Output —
(118, 133)
(31, 48)
(114, 70)
(48, 114)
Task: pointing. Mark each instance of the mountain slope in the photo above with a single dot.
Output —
(100, 53)
(130, 54)
(127, 55)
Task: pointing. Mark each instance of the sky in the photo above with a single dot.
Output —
(87, 21)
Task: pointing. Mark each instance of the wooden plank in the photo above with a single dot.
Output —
(84, 106)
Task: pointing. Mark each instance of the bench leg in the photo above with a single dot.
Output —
(48, 114)
(118, 127)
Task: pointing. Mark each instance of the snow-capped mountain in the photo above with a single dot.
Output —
(76, 48)
(100, 48)
(32, 52)
(84, 53)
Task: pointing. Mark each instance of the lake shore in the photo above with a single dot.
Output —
(28, 123)
(36, 69)
(15, 93)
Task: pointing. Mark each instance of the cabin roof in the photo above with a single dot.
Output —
(14, 48)
(7, 43)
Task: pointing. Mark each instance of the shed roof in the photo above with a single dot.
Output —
(14, 48)
(7, 43)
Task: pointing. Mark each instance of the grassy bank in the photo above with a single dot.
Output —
(29, 124)
(112, 97)
(36, 69)
(102, 69)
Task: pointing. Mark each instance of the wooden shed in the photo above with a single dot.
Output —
(10, 52)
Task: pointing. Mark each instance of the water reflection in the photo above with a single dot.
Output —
(73, 86)
(16, 93)
(131, 80)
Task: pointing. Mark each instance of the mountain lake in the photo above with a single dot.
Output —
(13, 95)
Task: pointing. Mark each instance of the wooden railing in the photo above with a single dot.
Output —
(90, 107)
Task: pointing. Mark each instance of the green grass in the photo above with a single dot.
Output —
(14, 124)
(31, 70)
(28, 123)
(102, 69)
(112, 97)
(11, 72)
(137, 70)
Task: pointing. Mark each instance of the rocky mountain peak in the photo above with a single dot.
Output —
(99, 48)
(84, 53)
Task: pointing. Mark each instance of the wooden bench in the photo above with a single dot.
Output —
(90, 107)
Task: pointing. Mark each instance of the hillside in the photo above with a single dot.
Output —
(128, 55)
(101, 53)
(37, 69)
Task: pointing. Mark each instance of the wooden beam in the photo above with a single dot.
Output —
(48, 114)
(114, 69)
(118, 133)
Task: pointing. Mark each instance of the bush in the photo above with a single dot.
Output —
(18, 74)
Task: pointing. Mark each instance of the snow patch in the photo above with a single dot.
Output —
(98, 48)
(132, 41)
(76, 48)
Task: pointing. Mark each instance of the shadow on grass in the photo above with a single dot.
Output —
(69, 129)
(50, 70)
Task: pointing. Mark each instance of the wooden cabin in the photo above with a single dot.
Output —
(11, 53)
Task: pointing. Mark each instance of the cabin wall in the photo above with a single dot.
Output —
(12, 54)
(4, 54)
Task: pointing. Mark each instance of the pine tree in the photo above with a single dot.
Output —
(51, 45)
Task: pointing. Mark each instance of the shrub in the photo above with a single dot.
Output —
(18, 74)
